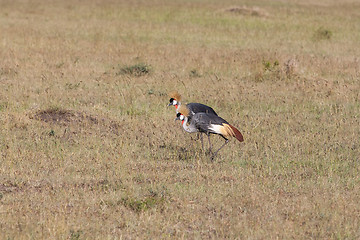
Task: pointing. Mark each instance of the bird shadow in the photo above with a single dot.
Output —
(192, 150)
(187, 153)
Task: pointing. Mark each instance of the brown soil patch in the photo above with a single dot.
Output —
(251, 11)
(67, 118)
(57, 116)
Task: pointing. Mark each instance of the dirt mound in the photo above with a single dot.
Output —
(54, 116)
(64, 117)
(251, 11)
(68, 118)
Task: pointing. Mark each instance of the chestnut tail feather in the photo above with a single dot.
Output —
(237, 133)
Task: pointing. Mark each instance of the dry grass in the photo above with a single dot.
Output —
(89, 151)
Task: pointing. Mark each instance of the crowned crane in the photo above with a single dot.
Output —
(208, 124)
(175, 100)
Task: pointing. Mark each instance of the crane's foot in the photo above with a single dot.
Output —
(213, 156)
(208, 152)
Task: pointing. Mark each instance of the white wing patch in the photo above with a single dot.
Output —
(224, 130)
(216, 128)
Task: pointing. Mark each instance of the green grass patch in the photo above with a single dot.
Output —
(143, 204)
(323, 34)
(136, 70)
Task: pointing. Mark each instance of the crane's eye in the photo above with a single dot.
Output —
(178, 114)
(171, 99)
(181, 117)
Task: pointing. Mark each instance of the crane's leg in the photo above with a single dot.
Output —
(197, 136)
(210, 147)
(226, 141)
(202, 141)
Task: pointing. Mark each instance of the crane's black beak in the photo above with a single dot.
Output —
(170, 104)
(178, 118)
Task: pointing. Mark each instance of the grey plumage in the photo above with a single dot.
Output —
(203, 122)
(198, 107)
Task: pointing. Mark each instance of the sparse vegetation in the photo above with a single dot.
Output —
(142, 204)
(136, 70)
(194, 73)
(323, 33)
(75, 235)
(89, 150)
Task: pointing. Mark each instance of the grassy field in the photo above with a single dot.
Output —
(89, 149)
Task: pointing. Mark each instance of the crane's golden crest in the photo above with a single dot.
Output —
(183, 110)
(175, 95)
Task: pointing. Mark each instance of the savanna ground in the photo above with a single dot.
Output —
(89, 149)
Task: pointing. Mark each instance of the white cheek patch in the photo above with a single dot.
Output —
(181, 117)
(174, 102)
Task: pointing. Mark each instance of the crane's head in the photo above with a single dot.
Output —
(175, 99)
(180, 117)
(183, 112)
